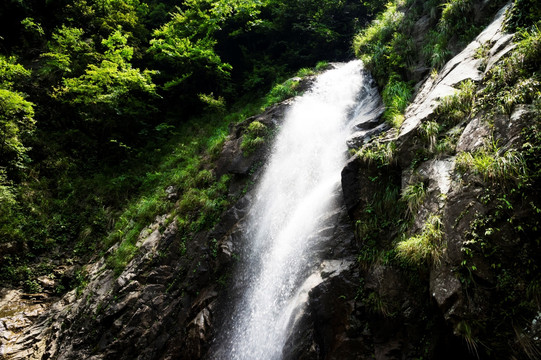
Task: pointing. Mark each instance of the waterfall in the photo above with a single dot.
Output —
(296, 189)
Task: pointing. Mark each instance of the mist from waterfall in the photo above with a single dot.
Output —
(295, 190)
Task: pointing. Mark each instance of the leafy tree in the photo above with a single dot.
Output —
(184, 47)
(111, 94)
(16, 115)
(68, 52)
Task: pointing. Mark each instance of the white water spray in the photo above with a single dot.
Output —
(296, 189)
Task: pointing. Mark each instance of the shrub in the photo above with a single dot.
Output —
(523, 14)
(430, 130)
(322, 65)
(455, 15)
(455, 108)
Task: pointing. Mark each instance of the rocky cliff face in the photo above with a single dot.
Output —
(455, 283)
(430, 258)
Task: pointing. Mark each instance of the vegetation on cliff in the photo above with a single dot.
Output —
(474, 247)
(105, 104)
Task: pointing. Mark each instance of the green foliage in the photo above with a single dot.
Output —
(31, 26)
(442, 132)
(68, 52)
(9, 215)
(414, 195)
(305, 72)
(379, 31)
(455, 15)
(16, 115)
(387, 51)
(493, 166)
(101, 125)
(10, 71)
(105, 16)
(381, 219)
(426, 246)
(515, 80)
(430, 131)
(321, 65)
(203, 195)
(253, 138)
(378, 153)
(16, 118)
(379, 45)
(112, 86)
(455, 108)
(396, 95)
(212, 103)
(281, 92)
(187, 42)
(435, 49)
(523, 14)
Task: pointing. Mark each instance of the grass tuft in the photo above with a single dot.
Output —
(424, 247)
(414, 195)
(380, 154)
(493, 166)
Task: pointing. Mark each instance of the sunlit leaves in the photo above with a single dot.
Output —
(108, 86)
(16, 114)
(68, 51)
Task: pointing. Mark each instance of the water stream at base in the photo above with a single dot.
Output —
(295, 191)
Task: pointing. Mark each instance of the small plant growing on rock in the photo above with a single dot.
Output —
(465, 330)
(425, 246)
(414, 195)
(455, 15)
(454, 108)
(381, 154)
(430, 130)
(491, 166)
(396, 95)
(321, 65)
(253, 138)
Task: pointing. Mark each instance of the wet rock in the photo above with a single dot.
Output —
(201, 328)
(360, 138)
(501, 48)
(445, 288)
(46, 283)
(324, 331)
(351, 186)
(305, 83)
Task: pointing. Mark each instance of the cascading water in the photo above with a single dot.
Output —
(296, 189)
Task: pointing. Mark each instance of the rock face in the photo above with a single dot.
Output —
(456, 303)
(464, 66)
